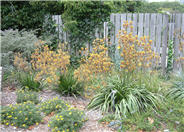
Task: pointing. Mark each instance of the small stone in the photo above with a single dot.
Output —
(166, 130)
(177, 122)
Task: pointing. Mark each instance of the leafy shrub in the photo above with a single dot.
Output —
(67, 121)
(25, 95)
(53, 105)
(123, 96)
(27, 81)
(177, 90)
(68, 85)
(21, 115)
(14, 41)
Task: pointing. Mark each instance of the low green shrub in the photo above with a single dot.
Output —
(26, 95)
(68, 85)
(123, 96)
(177, 89)
(67, 121)
(21, 115)
(53, 105)
(14, 41)
(27, 81)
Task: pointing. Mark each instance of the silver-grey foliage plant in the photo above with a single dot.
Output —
(13, 41)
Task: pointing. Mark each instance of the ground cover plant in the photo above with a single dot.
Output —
(53, 105)
(67, 121)
(26, 95)
(21, 115)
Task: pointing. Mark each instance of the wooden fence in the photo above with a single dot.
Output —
(160, 27)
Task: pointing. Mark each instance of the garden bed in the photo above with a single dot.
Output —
(91, 125)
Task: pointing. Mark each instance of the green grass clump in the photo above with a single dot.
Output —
(21, 115)
(53, 105)
(26, 95)
(27, 81)
(123, 97)
(69, 85)
(177, 89)
(67, 121)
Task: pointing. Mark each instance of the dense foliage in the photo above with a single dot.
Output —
(69, 85)
(82, 18)
(19, 14)
(53, 105)
(21, 115)
(67, 121)
(177, 90)
(26, 95)
(27, 81)
(14, 41)
(123, 96)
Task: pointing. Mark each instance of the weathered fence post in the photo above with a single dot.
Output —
(164, 43)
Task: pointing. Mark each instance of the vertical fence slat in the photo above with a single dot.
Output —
(135, 24)
(176, 42)
(140, 25)
(117, 28)
(129, 18)
(182, 39)
(106, 34)
(59, 27)
(123, 18)
(164, 43)
(146, 24)
(113, 29)
(158, 33)
(170, 31)
(152, 30)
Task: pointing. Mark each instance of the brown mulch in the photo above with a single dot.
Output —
(8, 96)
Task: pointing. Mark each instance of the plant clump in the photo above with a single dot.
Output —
(67, 121)
(21, 115)
(94, 63)
(69, 85)
(48, 63)
(123, 96)
(26, 95)
(27, 80)
(135, 53)
(53, 105)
